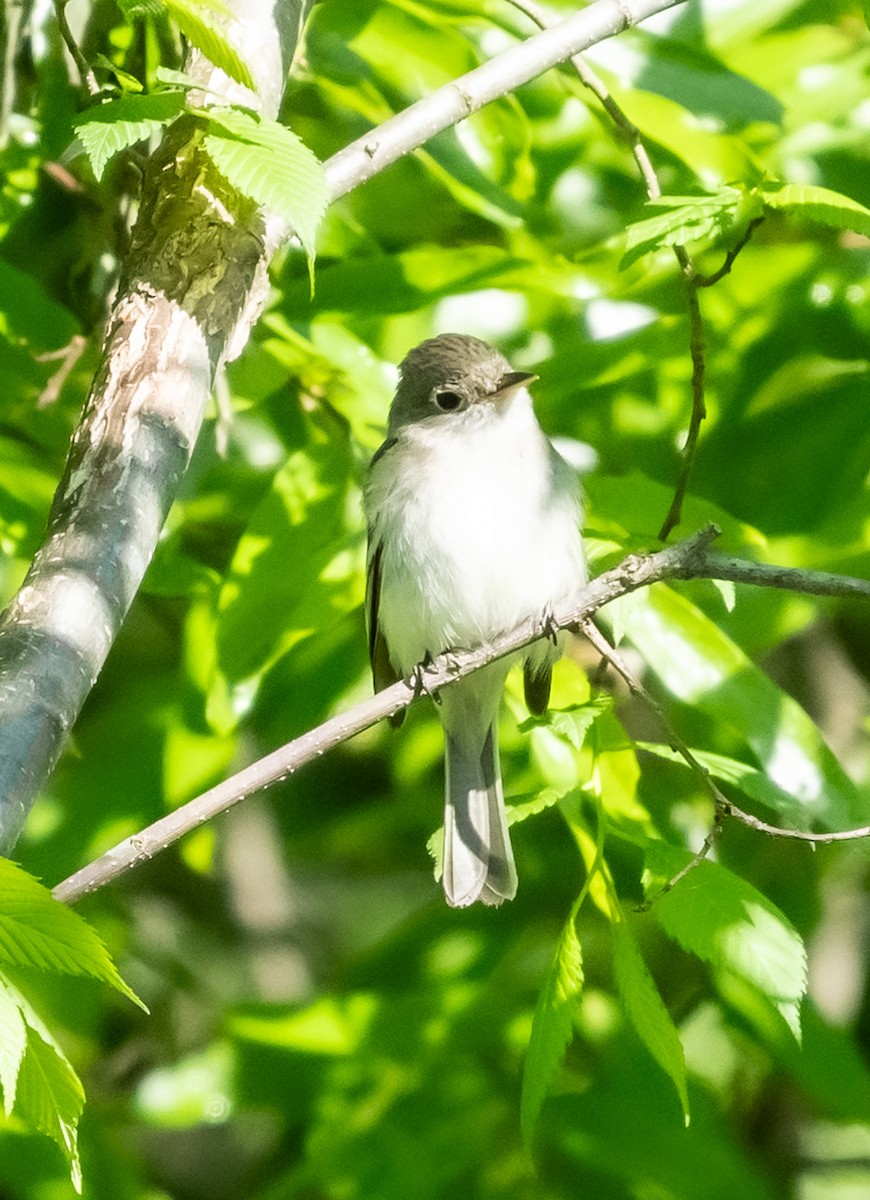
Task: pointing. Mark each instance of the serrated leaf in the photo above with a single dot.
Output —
(685, 219)
(210, 39)
(38, 931)
(271, 165)
(727, 922)
(106, 130)
(646, 1010)
(552, 1024)
(818, 204)
(13, 1043)
(50, 1098)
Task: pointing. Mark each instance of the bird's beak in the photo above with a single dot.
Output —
(510, 382)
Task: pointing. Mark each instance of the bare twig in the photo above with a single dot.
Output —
(68, 356)
(86, 74)
(720, 801)
(689, 559)
(723, 807)
(703, 281)
(699, 406)
(798, 835)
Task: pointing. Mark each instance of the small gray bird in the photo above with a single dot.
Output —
(474, 526)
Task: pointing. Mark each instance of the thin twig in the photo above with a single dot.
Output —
(703, 281)
(723, 807)
(720, 801)
(699, 405)
(86, 74)
(689, 559)
(798, 835)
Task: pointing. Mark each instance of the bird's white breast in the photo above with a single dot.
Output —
(478, 519)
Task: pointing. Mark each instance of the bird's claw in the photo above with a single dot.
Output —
(550, 627)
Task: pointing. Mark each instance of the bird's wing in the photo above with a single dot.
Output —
(383, 671)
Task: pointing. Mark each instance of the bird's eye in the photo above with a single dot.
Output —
(448, 401)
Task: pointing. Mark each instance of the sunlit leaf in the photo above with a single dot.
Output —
(268, 162)
(746, 779)
(117, 124)
(685, 219)
(37, 931)
(817, 204)
(646, 1010)
(196, 24)
(267, 606)
(552, 1025)
(700, 665)
(13, 1043)
(50, 1098)
(729, 923)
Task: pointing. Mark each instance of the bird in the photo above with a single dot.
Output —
(473, 527)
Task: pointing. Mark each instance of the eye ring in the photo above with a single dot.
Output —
(448, 400)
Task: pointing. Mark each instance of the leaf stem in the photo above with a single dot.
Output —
(86, 74)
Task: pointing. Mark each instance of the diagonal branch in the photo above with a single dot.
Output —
(686, 560)
(494, 78)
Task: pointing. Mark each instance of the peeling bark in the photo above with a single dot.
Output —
(193, 283)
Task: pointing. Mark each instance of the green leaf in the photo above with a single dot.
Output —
(38, 931)
(13, 1043)
(701, 666)
(306, 519)
(646, 1010)
(552, 1024)
(112, 127)
(209, 38)
(725, 921)
(128, 82)
(819, 204)
(50, 1097)
(715, 157)
(685, 219)
(269, 163)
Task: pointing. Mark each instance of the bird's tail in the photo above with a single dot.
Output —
(478, 860)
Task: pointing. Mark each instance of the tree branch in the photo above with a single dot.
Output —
(499, 75)
(690, 559)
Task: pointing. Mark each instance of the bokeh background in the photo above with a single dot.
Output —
(322, 1026)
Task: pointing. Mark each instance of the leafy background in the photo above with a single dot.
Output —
(321, 1024)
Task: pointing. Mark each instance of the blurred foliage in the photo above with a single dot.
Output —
(322, 1026)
